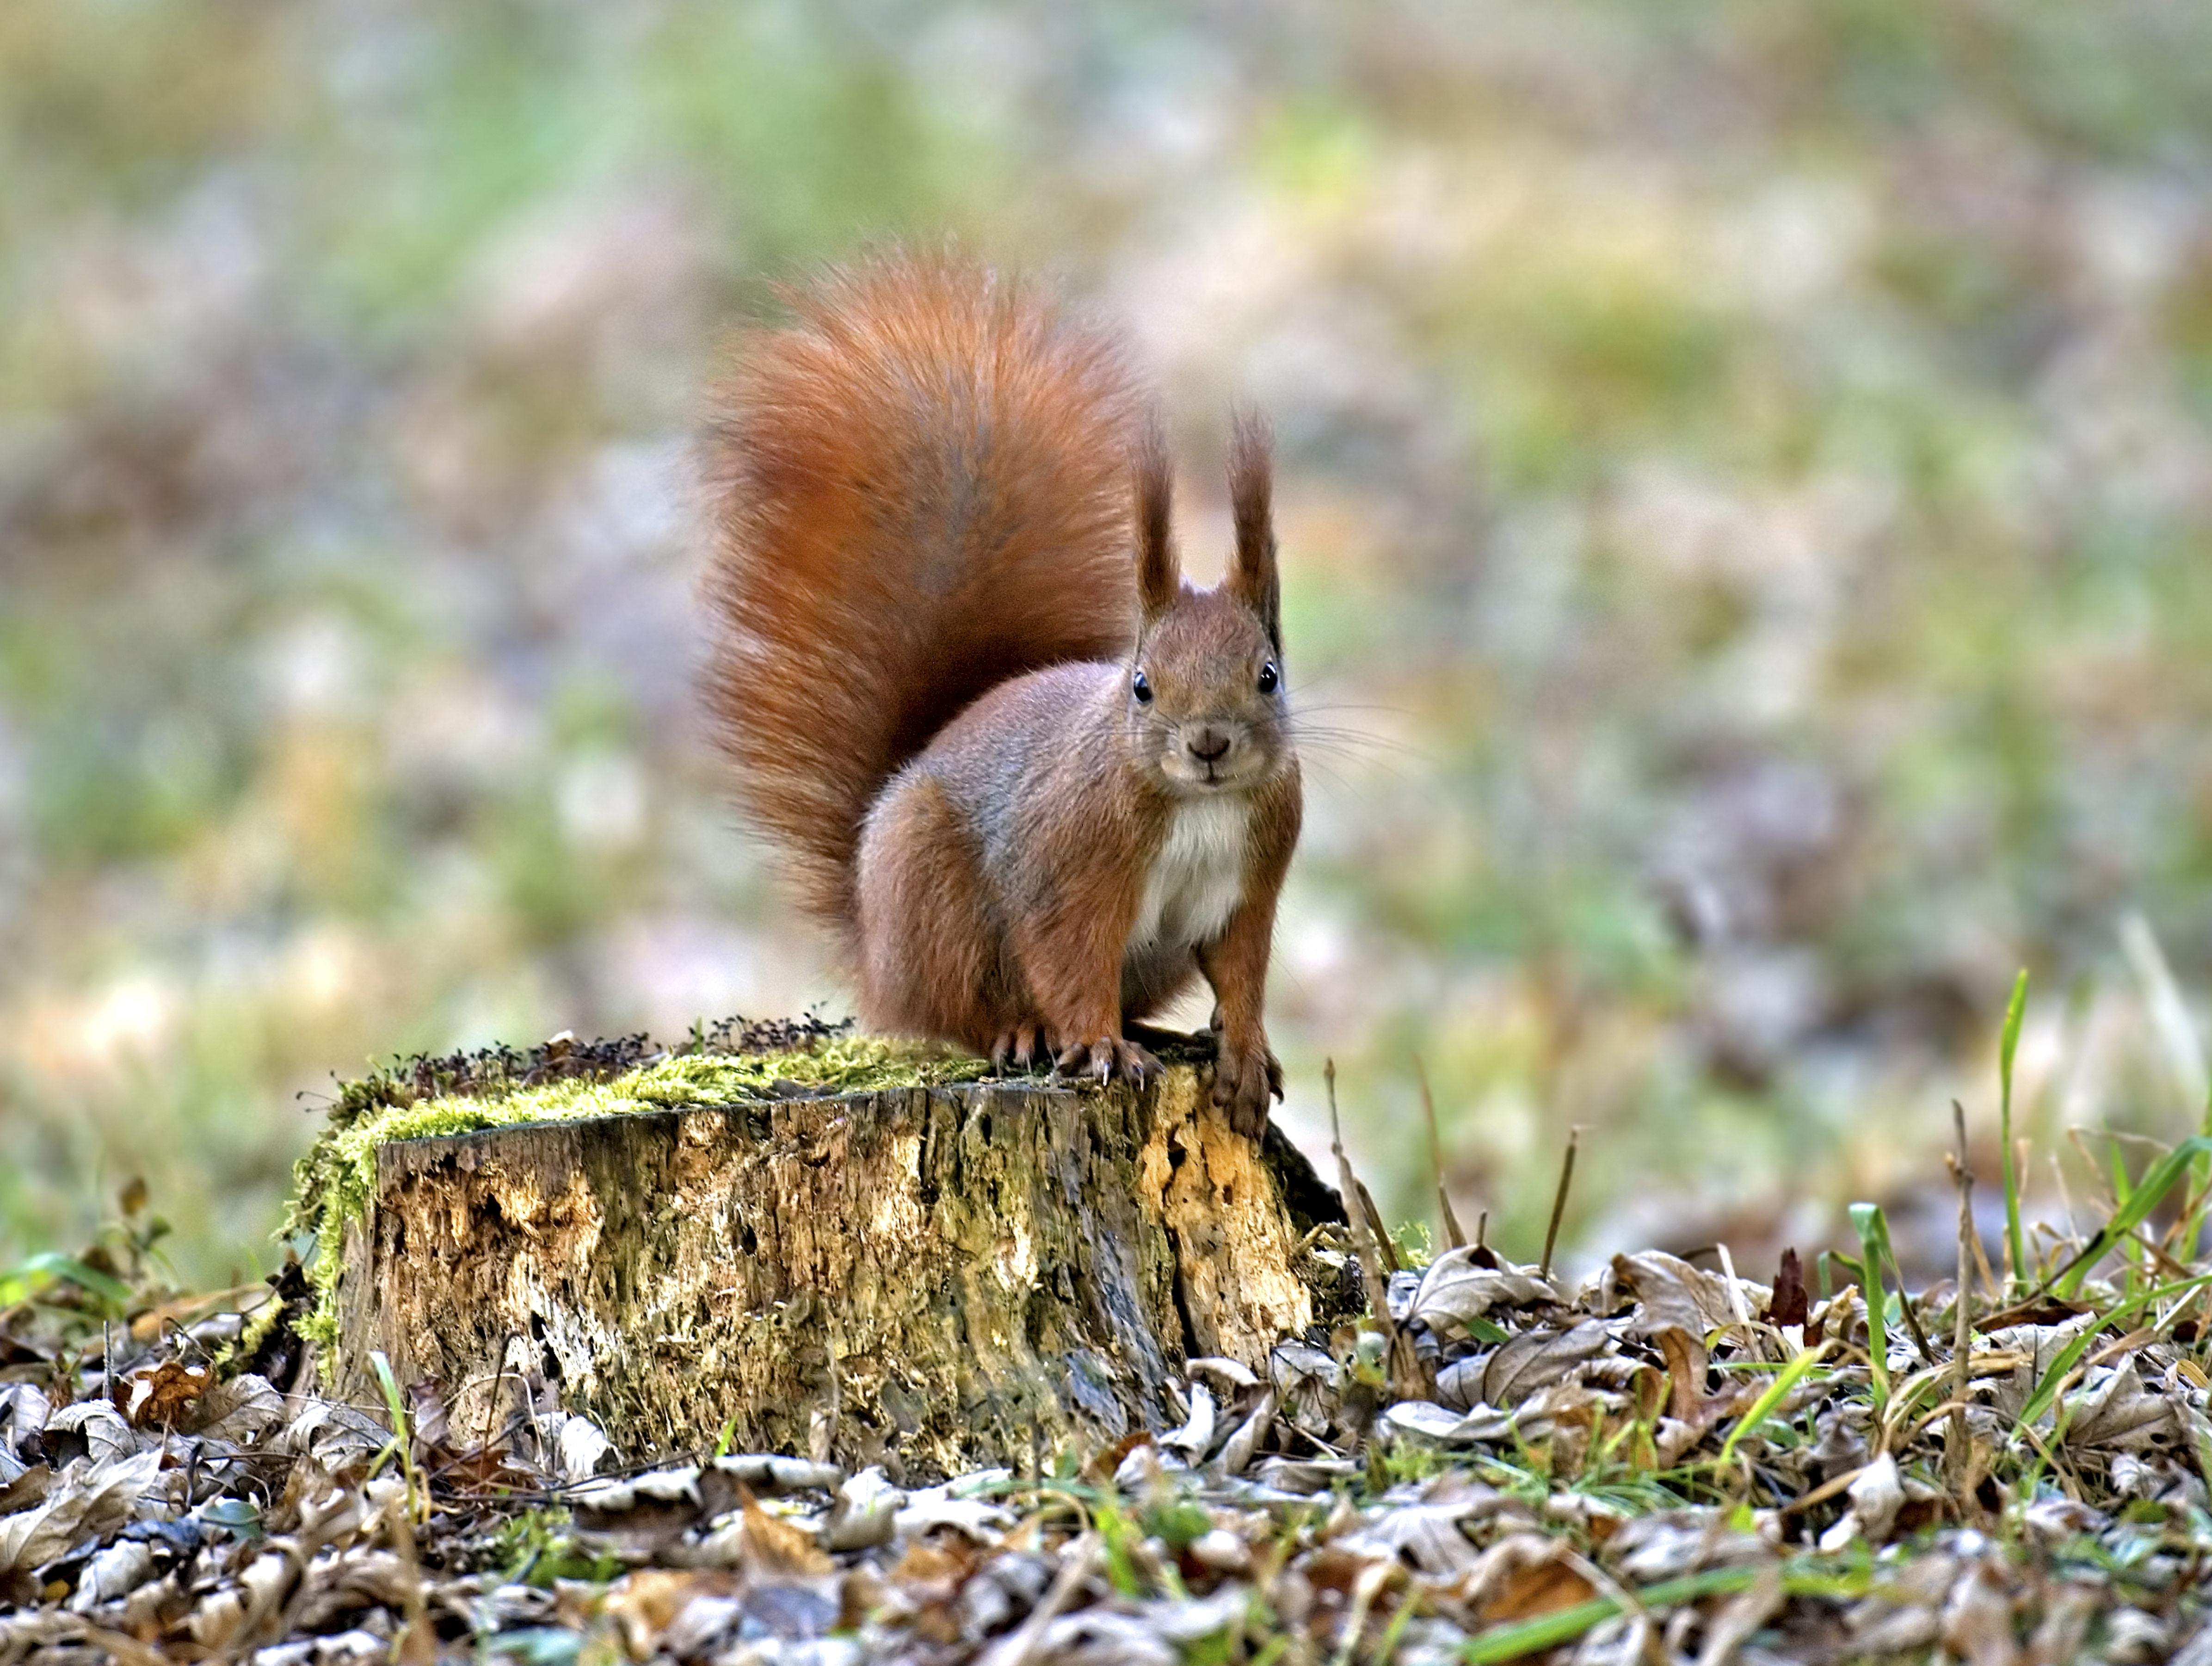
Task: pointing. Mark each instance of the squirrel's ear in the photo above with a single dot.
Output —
(1253, 577)
(1159, 578)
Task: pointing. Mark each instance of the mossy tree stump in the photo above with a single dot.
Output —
(931, 1278)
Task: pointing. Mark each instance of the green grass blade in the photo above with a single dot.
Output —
(1874, 1249)
(2200, 1182)
(1763, 1407)
(2054, 1380)
(401, 1438)
(2122, 1187)
(52, 1264)
(2046, 1391)
(2157, 1181)
(1547, 1631)
(2008, 1046)
(393, 1402)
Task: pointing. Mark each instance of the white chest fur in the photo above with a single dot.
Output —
(1197, 879)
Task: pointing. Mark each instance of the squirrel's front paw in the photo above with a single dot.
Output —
(1021, 1045)
(1243, 1078)
(1110, 1059)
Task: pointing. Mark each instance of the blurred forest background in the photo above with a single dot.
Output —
(1747, 481)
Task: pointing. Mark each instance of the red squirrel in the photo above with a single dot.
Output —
(1031, 781)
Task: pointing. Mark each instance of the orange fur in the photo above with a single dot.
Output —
(1032, 783)
(920, 490)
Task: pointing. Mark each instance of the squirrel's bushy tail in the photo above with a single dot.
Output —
(920, 490)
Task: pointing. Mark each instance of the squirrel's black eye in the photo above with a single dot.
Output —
(1268, 678)
(1142, 688)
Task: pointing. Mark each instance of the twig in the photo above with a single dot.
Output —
(1021, 1648)
(1990, 1287)
(491, 1396)
(1737, 1305)
(1385, 1247)
(1826, 1490)
(1560, 1201)
(1361, 1229)
(121, 1644)
(1362, 1232)
(1912, 1319)
(1364, 1590)
(2167, 1264)
(1606, 1585)
(1454, 1237)
(1405, 1374)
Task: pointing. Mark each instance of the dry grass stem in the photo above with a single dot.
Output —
(1453, 1237)
(1560, 1201)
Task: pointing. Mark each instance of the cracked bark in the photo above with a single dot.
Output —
(997, 1269)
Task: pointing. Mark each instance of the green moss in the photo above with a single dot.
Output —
(334, 1182)
(251, 1336)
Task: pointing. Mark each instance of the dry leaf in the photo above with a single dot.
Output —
(772, 1472)
(28, 1488)
(1536, 1359)
(158, 1397)
(865, 1513)
(1744, 1613)
(106, 1435)
(2036, 1347)
(932, 1507)
(1229, 1373)
(1308, 1383)
(1427, 1535)
(1195, 1437)
(1456, 1290)
(1790, 1305)
(1447, 1427)
(23, 1413)
(1237, 1451)
(775, 1548)
(1977, 1618)
(646, 1603)
(1536, 1588)
(1687, 1363)
(2117, 1411)
(115, 1572)
(85, 1499)
(1305, 1476)
(244, 1409)
(933, 1566)
(1672, 1542)
(1670, 1291)
(1876, 1497)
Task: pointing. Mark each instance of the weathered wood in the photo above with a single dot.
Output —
(930, 1279)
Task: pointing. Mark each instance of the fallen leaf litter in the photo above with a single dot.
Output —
(1667, 1463)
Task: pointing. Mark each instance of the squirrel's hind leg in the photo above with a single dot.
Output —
(930, 964)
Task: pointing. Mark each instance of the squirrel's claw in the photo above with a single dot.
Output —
(1019, 1046)
(1244, 1079)
(1110, 1058)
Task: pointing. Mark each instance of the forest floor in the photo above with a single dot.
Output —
(1667, 1463)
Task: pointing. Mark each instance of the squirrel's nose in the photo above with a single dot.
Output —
(1208, 745)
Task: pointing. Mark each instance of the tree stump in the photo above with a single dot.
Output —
(933, 1278)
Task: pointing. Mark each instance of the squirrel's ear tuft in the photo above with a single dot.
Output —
(1159, 577)
(1252, 576)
